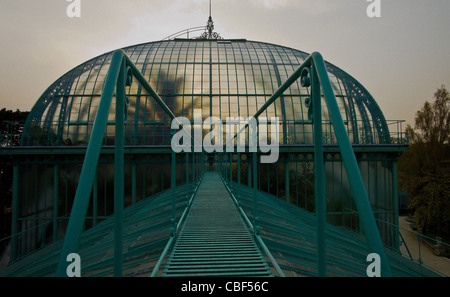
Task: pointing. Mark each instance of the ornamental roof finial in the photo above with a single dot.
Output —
(209, 31)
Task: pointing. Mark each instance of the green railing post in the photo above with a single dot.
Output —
(55, 200)
(249, 171)
(197, 166)
(356, 183)
(226, 166)
(239, 177)
(188, 192)
(15, 212)
(187, 168)
(197, 161)
(133, 183)
(286, 179)
(395, 201)
(222, 165)
(193, 171)
(95, 199)
(319, 173)
(255, 190)
(173, 185)
(119, 170)
(204, 164)
(231, 170)
(194, 166)
(82, 195)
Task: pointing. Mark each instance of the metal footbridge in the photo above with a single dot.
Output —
(214, 240)
(208, 225)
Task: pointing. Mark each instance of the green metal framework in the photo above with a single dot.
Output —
(221, 77)
(337, 155)
(313, 73)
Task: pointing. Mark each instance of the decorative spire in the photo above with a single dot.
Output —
(209, 31)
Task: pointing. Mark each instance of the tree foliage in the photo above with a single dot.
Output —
(424, 171)
(11, 126)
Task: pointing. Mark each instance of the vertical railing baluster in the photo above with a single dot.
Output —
(119, 170)
(319, 172)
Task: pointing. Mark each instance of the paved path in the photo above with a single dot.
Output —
(442, 264)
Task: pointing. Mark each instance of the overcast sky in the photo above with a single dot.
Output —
(401, 57)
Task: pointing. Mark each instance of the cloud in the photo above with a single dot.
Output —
(271, 4)
(308, 7)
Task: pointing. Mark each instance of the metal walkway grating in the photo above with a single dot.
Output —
(214, 240)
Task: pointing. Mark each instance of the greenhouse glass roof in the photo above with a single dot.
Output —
(223, 78)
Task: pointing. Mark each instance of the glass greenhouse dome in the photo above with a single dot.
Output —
(222, 78)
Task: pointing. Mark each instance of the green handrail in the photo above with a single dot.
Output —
(254, 229)
(119, 76)
(361, 198)
(175, 231)
(313, 73)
